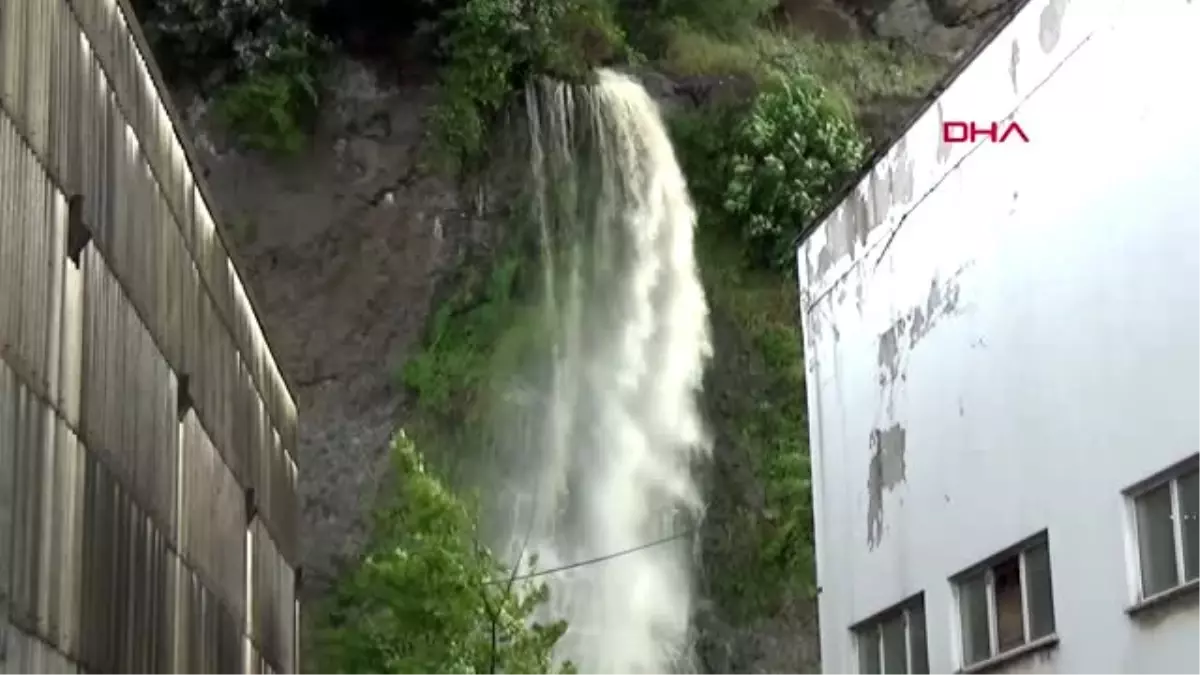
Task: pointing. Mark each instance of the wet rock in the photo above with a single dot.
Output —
(939, 27)
(828, 18)
(343, 247)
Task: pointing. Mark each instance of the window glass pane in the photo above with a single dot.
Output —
(1010, 619)
(868, 651)
(1156, 540)
(917, 645)
(1189, 510)
(1039, 591)
(895, 654)
(972, 600)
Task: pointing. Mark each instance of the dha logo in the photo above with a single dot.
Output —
(970, 132)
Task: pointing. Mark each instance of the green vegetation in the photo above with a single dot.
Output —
(272, 106)
(492, 46)
(769, 547)
(464, 334)
(427, 597)
(862, 71)
(759, 169)
(261, 57)
(759, 172)
(769, 168)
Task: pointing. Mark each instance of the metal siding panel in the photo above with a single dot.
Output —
(62, 90)
(55, 604)
(24, 653)
(26, 517)
(130, 80)
(11, 234)
(13, 46)
(211, 641)
(70, 383)
(95, 624)
(9, 389)
(35, 85)
(274, 602)
(56, 225)
(121, 365)
(212, 515)
(157, 288)
(28, 234)
(70, 471)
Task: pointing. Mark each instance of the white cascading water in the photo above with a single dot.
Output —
(617, 433)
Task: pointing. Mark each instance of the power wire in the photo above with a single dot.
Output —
(592, 561)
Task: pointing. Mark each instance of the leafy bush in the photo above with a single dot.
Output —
(428, 598)
(493, 46)
(271, 107)
(767, 170)
(787, 157)
(261, 57)
(463, 336)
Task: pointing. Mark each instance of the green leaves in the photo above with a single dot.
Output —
(760, 172)
(261, 56)
(765, 170)
(428, 598)
(493, 46)
(786, 157)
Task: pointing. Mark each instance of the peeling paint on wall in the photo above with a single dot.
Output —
(1014, 61)
(908, 330)
(865, 208)
(943, 151)
(1051, 24)
(904, 182)
(886, 472)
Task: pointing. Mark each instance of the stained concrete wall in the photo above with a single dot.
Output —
(1001, 337)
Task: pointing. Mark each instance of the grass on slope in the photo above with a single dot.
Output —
(859, 72)
(765, 548)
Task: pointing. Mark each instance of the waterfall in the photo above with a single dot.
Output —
(617, 434)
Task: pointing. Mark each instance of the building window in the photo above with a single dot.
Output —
(1006, 603)
(893, 641)
(1165, 528)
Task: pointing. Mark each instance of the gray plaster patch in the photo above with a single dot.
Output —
(888, 357)
(912, 327)
(881, 199)
(886, 471)
(1013, 63)
(1051, 24)
(943, 151)
(859, 213)
(902, 184)
(843, 231)
(824, 261)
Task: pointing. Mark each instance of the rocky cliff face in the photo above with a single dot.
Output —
(345, 245)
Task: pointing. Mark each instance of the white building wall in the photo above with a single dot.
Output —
(1055, 361)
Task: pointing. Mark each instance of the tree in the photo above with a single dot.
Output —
(785, 160)
(428, 598)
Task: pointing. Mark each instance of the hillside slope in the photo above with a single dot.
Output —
(352, 243)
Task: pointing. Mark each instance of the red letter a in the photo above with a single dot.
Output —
(1014, 128)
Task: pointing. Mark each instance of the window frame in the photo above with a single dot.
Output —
(1133, 496)
(872, 628)
(987, 567)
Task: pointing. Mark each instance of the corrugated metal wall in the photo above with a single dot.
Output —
(147, 488)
